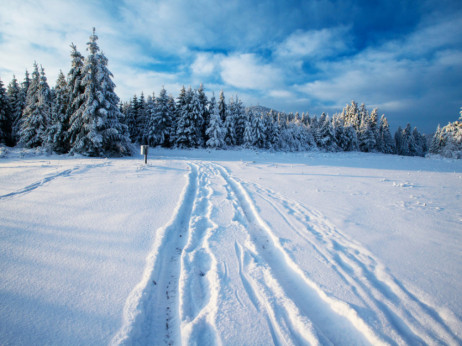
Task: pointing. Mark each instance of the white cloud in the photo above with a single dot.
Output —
(206, 64)
(314, 43)
(248, 72)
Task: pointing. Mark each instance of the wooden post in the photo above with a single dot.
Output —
(144, 151)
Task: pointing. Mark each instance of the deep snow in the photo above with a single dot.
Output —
(230, 247)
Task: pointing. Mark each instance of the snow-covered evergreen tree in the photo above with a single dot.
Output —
(259, 131)
(75, 86)
(37, 112)
(228, 125)
(222, 106)
(239, 120)
(160, 122)
(387, 144)
(420, 143)
(249, 133)
(185, 127)
(345, 136)
(215, 133)
(367, 137)
(5, 117)
(141, 115)
(16, 100)
(95, 127)
(447, 141)
(57, 134)
(205, 109)
(325, 135)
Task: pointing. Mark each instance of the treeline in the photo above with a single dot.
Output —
(193, 121)
(82, 114)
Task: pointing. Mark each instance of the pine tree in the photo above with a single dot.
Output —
(386, 140)
(185, 126)
(230, 134)
(16, 100)
(37, 112)
(75, 85)
(249, 133)
(57, 135)
(215, 133)
(172, 110)
(260, 132)
(239, 120)
(367, 137)
(205, 109)
(324, 134)
(159, 126)
(95, 127)
(141, 118)
(420, 143)
(5, 117)
(222, 107)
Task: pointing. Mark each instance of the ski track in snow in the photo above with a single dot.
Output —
(49, 178)
(177, 301)
(399, 315)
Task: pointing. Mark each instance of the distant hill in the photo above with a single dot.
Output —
(260, 109)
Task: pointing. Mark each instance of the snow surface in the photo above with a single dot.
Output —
(230, 247)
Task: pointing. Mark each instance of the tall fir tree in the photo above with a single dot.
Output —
(57, 135)
(215, 133)
(206, 112)
(95, 127)
(76, 89)
(5, 117)
(249, 133)
(185, 126)
(16, 100)
(387, 145)
(228, 125)
(222, 106)
(37, 112)
(160, 122)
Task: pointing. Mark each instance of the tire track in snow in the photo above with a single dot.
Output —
(151, 312)
(298, 310)
(401, 317)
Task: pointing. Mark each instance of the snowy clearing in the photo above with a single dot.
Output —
(230, 247)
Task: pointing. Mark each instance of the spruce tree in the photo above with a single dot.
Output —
(16, 100)
(95, 127)
(215, 133)
(260, 132)
(5, 117)
(222, 107)
(206, 112)
(230, 134)
(160, 122)
(387, 144)
(57, 135)
(367, 141)
(37, 112)
(249, 133)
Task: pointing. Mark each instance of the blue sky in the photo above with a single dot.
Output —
(404, 57)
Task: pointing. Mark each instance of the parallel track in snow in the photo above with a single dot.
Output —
(218, 260)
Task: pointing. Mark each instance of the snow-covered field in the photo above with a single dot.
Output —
(230, 247)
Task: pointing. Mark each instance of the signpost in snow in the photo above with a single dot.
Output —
(144, 151)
